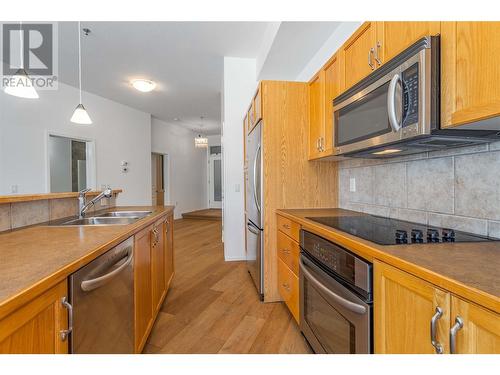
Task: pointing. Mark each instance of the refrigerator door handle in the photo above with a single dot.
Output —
(255, 178)
(252, 229)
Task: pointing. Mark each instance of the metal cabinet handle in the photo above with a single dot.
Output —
(370, 53)
(437, 346)
(377, 57)
(286, 226)
(317, 143)
(65, 332)
(286, 286)
(321, 143)
(459, 323)
(286, 251)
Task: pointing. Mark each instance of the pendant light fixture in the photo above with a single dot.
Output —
(199, 141)
(22, 86)
(80, 115)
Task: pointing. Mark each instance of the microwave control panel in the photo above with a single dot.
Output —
(410, 95)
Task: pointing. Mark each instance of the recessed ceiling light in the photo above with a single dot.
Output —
(387, 151)
(143, 85)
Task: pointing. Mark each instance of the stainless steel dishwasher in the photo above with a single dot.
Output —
(102, 296)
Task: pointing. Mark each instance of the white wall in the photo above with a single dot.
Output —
(187, 165)
(120, 133)
(238, 87)
(332, 44)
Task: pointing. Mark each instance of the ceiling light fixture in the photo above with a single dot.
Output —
(80, 115)
(387, 151)
(20, 83)
(199, 141)
(143, 85)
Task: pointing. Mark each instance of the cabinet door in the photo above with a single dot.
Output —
(169, 250)
(158, 264)
(332, 89)
(257, 104)
(358, 58)
(36, 327)
(470, 71)
(394, 37)
(316, 115)
(403, 308)
(289, 288)
(480, 333)
(142, 287)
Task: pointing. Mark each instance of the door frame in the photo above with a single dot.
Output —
(166, 176)
(211, 158)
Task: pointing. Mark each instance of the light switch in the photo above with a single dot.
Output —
(352, 185)
(14, 189)
(237, 188)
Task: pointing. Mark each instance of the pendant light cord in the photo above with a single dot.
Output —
(21, 43)
(80, 61)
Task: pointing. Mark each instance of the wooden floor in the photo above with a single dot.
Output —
(208, 214)
(212, 306)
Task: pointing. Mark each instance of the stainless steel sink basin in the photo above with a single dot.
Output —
(101, 221)
(126, 214)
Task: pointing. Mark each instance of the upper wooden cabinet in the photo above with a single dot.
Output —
(394, 37)
(332, 89)
(36, 327)
(404, 306)
(470, 72)
(358, 55)
(316, 115)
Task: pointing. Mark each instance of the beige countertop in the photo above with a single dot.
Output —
(469, 270)
(35, 258)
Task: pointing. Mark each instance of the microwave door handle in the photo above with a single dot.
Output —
(351, 306)
(391, 103)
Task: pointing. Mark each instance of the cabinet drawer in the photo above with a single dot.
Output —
(289, 227)
(288, 252)
(289, 288)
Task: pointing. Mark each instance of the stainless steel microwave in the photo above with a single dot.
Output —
(396, 109)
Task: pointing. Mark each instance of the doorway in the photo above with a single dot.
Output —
(215, 178)
(159, 175)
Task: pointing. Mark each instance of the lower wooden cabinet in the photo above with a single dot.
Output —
(412, 315)
(154, 269)
(143, 296)
(36, 327)
(289, 288)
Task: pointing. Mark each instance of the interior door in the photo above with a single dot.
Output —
(215, 181)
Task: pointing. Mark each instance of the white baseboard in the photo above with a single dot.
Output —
(234, 259)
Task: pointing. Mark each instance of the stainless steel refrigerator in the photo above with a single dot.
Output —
(255, 212)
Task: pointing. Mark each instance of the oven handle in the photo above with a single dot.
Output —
(391, 107)
(351, 306)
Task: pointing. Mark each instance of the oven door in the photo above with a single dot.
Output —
(332, 318)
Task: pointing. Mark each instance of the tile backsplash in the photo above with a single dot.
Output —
(457, 188)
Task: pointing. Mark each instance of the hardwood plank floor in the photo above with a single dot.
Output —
(208, 214)
(212, 305)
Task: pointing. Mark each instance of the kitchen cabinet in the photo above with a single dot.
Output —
(394, 37)
(143, 297)
(470, 72)
(168, 230)
(289, 288)
(477, 329)
(323, 88)
(403, 308)
(36, 327)
(316, 115)
(358, 55)
(257, 106)
(158, 265)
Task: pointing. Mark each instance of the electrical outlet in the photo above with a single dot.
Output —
(352, 185)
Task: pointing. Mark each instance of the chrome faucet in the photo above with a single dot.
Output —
(83, 205)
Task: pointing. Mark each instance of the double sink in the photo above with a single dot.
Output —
(108, 218)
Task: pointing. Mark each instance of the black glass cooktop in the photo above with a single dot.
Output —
(386, 231)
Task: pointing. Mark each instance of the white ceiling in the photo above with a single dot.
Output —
(185, 59)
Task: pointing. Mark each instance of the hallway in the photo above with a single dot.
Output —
(212, 306)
